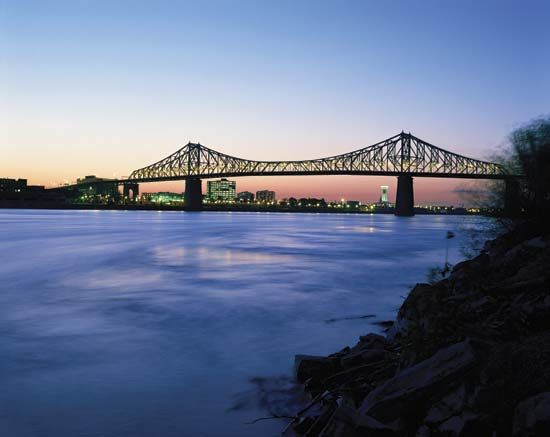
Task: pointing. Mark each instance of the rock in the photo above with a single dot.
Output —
(398, 329)
(311, 366)
(532, 416)
(363, 357)
(536, 242)
(448, 406)
(303, 425)
(423, 303)
(452, 427)
(321, 421)
(423, 431)
(372, 341)
(467, 272)
(358, 372)
(385, 325)
(346, 422)
(405, 393)
(465, 424)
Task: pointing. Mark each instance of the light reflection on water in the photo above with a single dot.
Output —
(149, 324)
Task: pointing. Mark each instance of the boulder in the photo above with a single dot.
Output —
(363, 357)
(406, 393)
(372, 341)
(423, 431)
(532, 416)
(312, 366)
(346, 422)
(452, 426)
(448, 406)
(537, 242)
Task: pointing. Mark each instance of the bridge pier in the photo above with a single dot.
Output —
(193, 194)
(130, 190)
(404, 199)
(512, 206)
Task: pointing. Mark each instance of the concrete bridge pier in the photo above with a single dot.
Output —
(404, 199)
(193, 194)
(512, 206)
(131, 190)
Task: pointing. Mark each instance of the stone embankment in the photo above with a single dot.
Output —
(467, 356)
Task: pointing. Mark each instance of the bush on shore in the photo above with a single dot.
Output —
(529, 156)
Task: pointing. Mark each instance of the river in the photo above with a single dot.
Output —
(145, 323)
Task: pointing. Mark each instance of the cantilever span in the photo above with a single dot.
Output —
(400, 154)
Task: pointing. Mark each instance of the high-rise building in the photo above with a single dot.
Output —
(245, 196)
(265, 196)
(222, 190)
(384, 194)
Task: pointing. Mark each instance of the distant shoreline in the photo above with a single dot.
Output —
(240, 208)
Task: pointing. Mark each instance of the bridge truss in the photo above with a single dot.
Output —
(401, 154)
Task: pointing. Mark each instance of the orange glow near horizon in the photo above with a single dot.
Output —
(363, 188)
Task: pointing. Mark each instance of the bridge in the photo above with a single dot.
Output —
(403, 155)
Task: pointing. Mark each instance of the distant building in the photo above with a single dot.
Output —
(353, 204)
(311, 202)
(162, 197)
(222, 190)
(265, 196)
(18, 186)
(13, 185)
(245, 196)
(94, 188)
(17, 190)
(384, 193)
(90, 179)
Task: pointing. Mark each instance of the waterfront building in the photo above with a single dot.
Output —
(19, 186)
(353, 204)
(384, 193)
(13, 185)
(245, 196)
(311, 202)
(17, 190)
(222, 190)
(265, 196)
(163, 197)
(94, 189)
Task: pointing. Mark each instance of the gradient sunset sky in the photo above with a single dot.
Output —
(92, 87)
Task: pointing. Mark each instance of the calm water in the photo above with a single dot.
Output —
(121, 323)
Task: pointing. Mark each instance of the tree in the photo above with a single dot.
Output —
(530, 157)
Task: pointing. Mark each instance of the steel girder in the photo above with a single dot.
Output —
(400, 154)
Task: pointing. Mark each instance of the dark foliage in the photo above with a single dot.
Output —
(530, 157)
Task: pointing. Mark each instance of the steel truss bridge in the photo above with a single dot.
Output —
(402, 155)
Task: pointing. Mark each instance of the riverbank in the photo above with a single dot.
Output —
(468, 355)
(233, 208)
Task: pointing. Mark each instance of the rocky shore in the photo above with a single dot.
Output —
(467, 356)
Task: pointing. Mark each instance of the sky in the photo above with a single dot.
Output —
(106, 87)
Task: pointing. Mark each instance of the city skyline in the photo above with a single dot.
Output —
(371, 194)
(105, 89)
